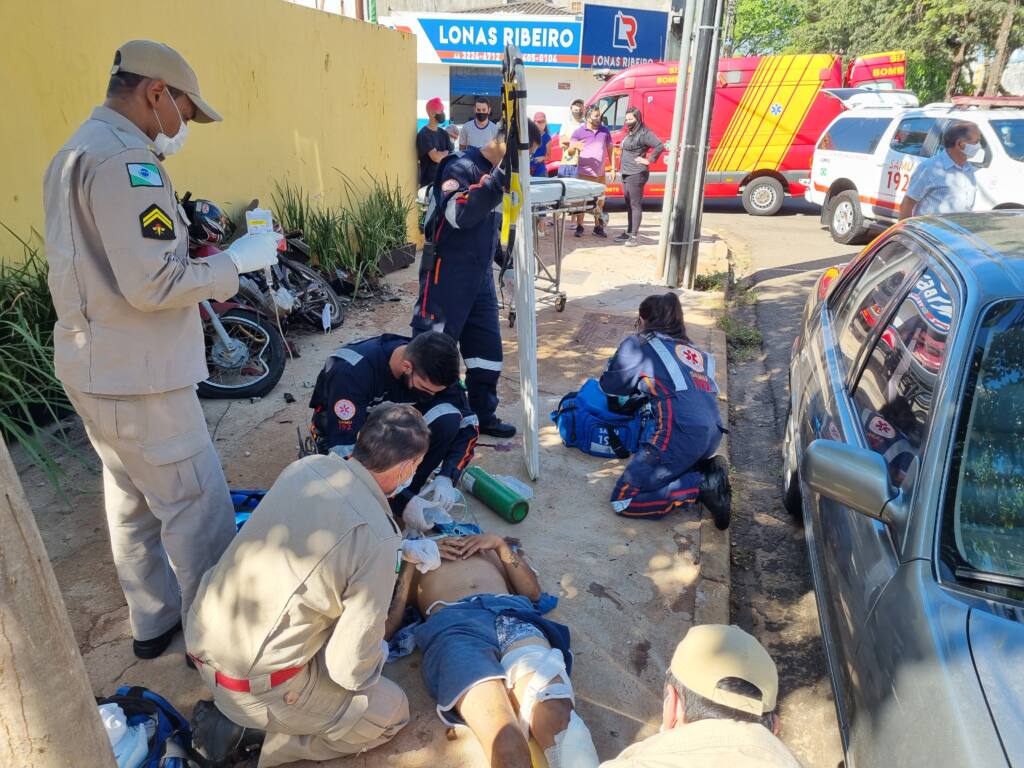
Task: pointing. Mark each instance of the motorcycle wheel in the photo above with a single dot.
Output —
(261, 369)
(312, 292)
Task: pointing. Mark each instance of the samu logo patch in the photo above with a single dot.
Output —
(156, 225)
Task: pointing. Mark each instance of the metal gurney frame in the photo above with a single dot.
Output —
(548, 278)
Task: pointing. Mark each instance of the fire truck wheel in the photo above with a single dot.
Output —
(845, 220)
(763, 196)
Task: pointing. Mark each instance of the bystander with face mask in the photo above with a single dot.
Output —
(635, 158)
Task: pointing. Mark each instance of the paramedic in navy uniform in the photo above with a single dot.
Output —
(456, 292)
(676, 463)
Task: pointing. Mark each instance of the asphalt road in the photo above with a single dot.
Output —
(771, 588)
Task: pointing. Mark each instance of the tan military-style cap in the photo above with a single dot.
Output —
(156, 60)
(712, 652)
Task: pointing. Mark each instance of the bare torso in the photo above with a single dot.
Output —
(481, 573)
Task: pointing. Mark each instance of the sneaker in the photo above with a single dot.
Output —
(579, 231)
(150, 649)
(599, 232)
(497, 428)
(621, 238)
(631, 242)
(716, 491)
(221, 741)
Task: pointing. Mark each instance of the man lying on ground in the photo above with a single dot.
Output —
(489, 658)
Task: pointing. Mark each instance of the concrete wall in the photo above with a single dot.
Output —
(302, 93)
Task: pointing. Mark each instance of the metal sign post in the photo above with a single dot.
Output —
(516, 207)
(689, 191)
(672, 164)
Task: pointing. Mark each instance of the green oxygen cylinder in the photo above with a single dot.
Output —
(495, 494)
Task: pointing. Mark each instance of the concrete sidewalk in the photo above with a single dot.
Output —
(628, 589)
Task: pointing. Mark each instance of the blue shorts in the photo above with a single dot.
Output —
(463, 644)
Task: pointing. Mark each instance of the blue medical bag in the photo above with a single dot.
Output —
(585, 421)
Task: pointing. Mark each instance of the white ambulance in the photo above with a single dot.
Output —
(864, 160)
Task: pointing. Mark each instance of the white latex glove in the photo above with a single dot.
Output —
(422, 515)
(423, 553)
(609, 177)
(508, 281)
(251, 253)
(444, 492)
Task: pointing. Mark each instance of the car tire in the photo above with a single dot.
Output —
(791, 499)
(845, 219)
(763, 196)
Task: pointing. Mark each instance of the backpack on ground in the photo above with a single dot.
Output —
(170, 745)
(585, 421)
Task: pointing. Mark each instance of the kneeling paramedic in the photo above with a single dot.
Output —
(676, 464)
(456, 295)
(128, 342)
(423, 372)
(287, 629)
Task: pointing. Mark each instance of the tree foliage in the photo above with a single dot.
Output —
(943, 38)
(763, 26)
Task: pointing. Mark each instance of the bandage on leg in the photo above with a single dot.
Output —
(573, 747)
(546, 665)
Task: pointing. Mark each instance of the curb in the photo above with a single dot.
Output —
(711, 598)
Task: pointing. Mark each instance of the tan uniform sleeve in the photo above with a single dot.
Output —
(353, 653)
(152, 273)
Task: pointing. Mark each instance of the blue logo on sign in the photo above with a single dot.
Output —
(616, 38)
(776, 109)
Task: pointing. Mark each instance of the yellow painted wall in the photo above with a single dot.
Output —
(302, 93)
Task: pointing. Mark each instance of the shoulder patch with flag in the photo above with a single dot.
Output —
(156, 225)
(144, 175)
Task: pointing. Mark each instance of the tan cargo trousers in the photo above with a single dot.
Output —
(310, 717)
(168, 508)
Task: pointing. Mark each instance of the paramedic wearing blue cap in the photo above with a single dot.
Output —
(423, 372)
(676, 464)
(456, 294)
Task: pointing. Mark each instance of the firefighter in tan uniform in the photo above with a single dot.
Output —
(128, 343)
(287, 630)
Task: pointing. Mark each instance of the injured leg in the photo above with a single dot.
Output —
(543, 694)
(488, 712)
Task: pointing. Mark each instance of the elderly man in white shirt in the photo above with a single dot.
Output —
(945, 183)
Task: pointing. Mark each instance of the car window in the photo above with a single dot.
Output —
(911, 134)
(893, 396)
(1011, 135)
(983, 523)
(855, 134)
(613, 110)
(983, 157)
(864, 303)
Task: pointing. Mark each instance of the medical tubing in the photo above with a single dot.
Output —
(495, 494)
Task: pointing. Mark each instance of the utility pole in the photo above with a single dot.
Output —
(680, 109)
(684, 241)
(48, 716)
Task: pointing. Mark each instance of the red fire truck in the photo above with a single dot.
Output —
(768, 114)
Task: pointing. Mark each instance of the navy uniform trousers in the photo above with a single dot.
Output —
(456, 293)
(678, 380)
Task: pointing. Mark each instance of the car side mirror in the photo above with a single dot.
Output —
(854, 477)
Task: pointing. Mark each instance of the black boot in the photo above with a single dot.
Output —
(221, 741)
(716, 491)
(497, 428)
(150, 649)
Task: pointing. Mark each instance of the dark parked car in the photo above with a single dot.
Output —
(904, 455)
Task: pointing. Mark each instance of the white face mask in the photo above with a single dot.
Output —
(970, 150)
(168, 145)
